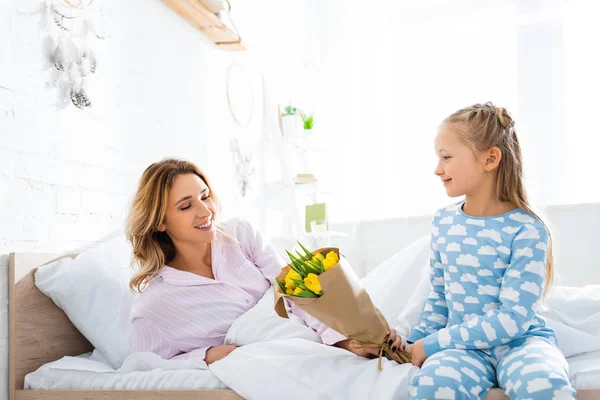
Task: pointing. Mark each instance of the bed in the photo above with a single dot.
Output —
(40, 333)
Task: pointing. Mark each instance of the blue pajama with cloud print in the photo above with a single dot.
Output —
(480, 322)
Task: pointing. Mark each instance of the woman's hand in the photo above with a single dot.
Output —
(417, 352)
(351, 346)
(216, 353)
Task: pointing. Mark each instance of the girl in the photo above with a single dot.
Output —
(491, 264)
(195, 276)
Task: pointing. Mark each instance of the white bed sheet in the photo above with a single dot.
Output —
(140, 371)
(281, 358)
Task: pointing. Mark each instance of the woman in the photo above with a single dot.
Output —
(195, 276)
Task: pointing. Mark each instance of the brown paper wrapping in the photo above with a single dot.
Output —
(345, 306)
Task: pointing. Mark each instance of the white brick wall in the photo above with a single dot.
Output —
(66, 176)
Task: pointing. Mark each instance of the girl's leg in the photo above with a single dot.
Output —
(535, 369)
(454, 374)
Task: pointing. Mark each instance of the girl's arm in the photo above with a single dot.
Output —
(435, 313)
(520, 294)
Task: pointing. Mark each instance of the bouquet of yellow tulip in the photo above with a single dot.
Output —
(322, 284)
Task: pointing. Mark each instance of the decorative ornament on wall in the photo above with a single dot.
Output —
(241, 102)
(71, 35)
(244, 167)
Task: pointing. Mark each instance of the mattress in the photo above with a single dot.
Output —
(89, 371)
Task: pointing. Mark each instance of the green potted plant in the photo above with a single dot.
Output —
(294, 120)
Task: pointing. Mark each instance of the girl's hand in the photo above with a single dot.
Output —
(395, 341)
(417, 352)
(350, 345)
(216, 353)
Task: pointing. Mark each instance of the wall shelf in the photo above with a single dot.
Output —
(199, 16)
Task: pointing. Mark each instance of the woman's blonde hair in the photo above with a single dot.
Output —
(484, 126)
(151, 248)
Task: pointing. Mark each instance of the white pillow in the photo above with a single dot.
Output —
(93, 291)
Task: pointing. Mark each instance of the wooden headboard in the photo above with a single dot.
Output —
(38, 331)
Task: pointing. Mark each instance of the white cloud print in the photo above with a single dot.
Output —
(511, 294)
(528, 234)
(441, 240)
(536, 267)
(425, 381)
(531, 287)
(521, 310)
(468, 278)
(458, 306)
(444, 338)
(444, 258)
(487, 251)
(525, 252)
(485, 272)
(452, 268)
(464, 333)
(438, 281)
(520, 217)
(468, 259)
(513, 273)
(470, 241)
(449, 372)
(538, 384)
(456, 288)
(489, 331)
(490, 233)
(510, 229)
(508, 324)
(445, 393)
(439, 318)
(490, 306)
(453, 247)
(471, 300)
(503, 249)
(446, 220)
(477, 222)
(499, 264)
(541, 246)
(457, 230)
(488, 289)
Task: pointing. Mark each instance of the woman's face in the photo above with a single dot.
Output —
(190, 211)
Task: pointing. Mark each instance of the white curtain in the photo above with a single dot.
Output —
(386, 73)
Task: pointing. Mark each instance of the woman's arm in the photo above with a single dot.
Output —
(269, 261)
(147, 338)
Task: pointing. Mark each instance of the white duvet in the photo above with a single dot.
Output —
(281, 358)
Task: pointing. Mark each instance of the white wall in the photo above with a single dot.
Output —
(66, 176)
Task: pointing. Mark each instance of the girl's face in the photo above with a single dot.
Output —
(190, 211)
(460, 169)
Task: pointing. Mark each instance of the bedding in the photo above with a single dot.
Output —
(281, 358)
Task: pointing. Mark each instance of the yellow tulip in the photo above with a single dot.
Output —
(289, 284)
(332, 255)
(298, 290)
(319, 256)
(330, 261)
(312, 283)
